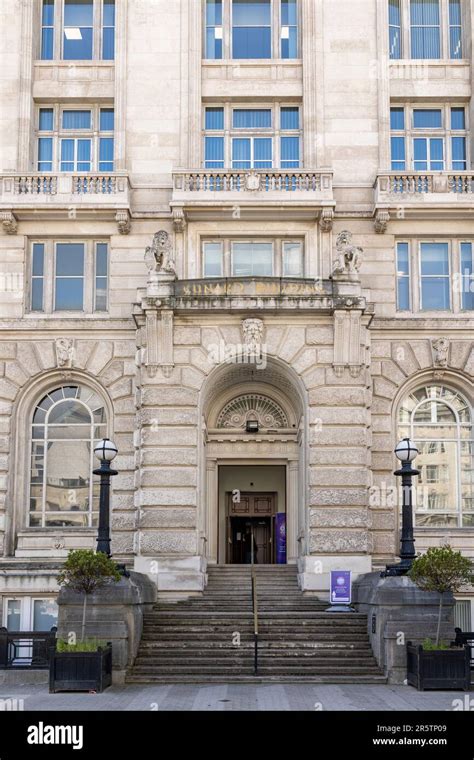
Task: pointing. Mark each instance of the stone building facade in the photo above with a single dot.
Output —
(237, 239)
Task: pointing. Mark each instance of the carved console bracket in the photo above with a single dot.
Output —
(382, 218)
(326, 219)
(179, 219)
(122, 218)
(9, 222)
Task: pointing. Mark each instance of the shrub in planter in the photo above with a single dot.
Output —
(438, 668)
(86, 664)
(434, 665)
(81, 667)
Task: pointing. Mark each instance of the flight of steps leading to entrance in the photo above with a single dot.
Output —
(210, 638)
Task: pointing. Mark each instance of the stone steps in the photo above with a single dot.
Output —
(193, 640)
(229, 678)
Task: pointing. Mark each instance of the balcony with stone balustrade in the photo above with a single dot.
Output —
(424, 194)
(259, 193)
(25, 196)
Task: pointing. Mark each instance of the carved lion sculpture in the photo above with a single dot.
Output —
(158, 255)
(349, 258)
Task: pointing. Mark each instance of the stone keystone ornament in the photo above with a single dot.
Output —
(159, 255)
(441, 351)
(349, 258)
(252, 333)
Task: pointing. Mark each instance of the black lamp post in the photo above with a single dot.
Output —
(406, 452)
(105, 451)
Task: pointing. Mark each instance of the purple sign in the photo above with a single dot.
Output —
(280, 538)
(340, 586)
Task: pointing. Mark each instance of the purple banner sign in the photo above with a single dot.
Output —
(280, 538)
(340, 586)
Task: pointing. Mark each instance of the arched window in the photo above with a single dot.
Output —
(67, 422)
(439, 420)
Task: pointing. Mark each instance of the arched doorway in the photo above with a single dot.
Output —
(253, 475)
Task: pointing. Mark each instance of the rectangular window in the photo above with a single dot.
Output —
(47, 30)
(252, 259)
(37, 277)
(434, 275)
(252, 152)
(397, 143)
(427, 118)
(425, 29)
(458, 118)
(45, 154)
(106, 144)
(251, 29)
(214, 33)
(289, 29)
(14, 615)
(84, 143)
(290, 152)
(75, 155)
(397, 118)
(78, 30)
(395, 29)
(247, 135)
(289, 117)
(462, 614)
(398, 153)
(435, 139)
(69, 277)
(458, 149)
(467, 276)
(455, 29)
(292, 259)
(246, 118)
(46, 119)
(428, 154)
(403, 277)
(76, 120)
(212, 260)
(214, 118)
(101, 276)
(108, 30)
(214, 152)
(45, 614)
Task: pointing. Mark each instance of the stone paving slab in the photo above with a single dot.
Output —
(240, 697)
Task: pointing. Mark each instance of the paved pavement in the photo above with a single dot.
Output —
(238, 697)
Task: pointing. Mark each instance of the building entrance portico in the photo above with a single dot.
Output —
(254, 474)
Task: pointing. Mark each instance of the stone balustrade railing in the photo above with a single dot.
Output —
(252, 181)
(418, 184)
(22, 188)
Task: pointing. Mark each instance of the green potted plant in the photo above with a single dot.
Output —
(436, 665)
(84, 665)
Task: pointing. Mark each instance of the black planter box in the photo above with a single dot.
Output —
(81, 671)
(440, 669)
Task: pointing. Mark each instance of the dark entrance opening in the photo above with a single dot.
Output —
(251, 540)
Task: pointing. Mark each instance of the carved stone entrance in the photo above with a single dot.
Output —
(271, 459)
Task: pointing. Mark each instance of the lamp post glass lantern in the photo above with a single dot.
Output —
(406, 452)
(105, 451)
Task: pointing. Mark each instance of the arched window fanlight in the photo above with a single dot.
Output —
(439, 421)
(252, 406)
(67, 423)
